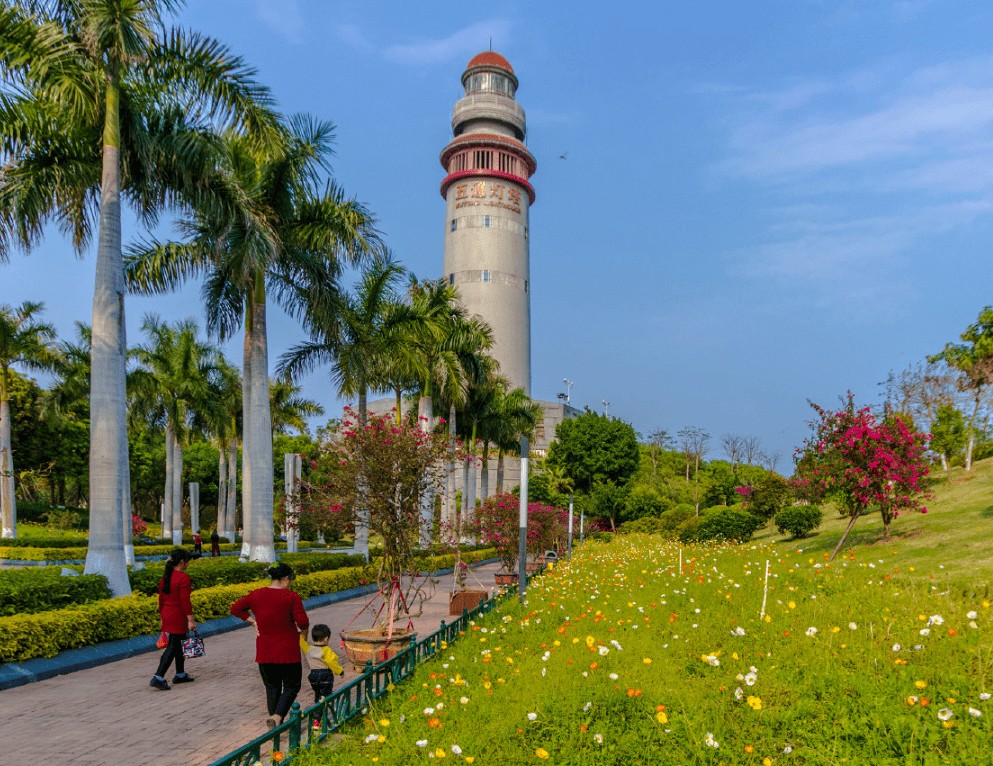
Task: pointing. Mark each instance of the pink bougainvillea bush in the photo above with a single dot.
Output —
(860, 460)
(497, 523)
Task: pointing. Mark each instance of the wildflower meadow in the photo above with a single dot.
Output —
(644, 651)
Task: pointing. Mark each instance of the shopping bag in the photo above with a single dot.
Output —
(163, 641)
(192, 645)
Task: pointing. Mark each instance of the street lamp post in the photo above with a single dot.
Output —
(569, 548)
(522, 550)
(568, 389)
(606, 406)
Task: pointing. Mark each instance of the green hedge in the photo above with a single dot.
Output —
(76, 542)
(40, 589)
(208, 573)
(23, 637)
(728, 524)
(75, 553)
(798, 520)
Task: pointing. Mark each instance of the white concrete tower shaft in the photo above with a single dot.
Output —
(487, 201)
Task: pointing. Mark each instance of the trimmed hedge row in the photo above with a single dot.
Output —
(23, 637)
(29, 591)
(76, 542)
(208, 573)
(75, 553)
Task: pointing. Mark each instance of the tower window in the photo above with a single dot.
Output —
(486, 221)
(486, 275)
(453, 224)
(451, 279)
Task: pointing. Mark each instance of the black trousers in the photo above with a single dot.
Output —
(322, 682)
(282, 684)
(173, 651)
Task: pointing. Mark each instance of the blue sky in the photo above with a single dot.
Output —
(761, 202)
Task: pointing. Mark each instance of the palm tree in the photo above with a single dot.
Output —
(289, 408)
(288, 242)
(226, 428)
(26, 342)
(512, 416)
(355, 334)
(104, 100)
(178, 370)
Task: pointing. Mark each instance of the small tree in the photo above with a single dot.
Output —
(859, 461)
(380, 472)
(768, 497)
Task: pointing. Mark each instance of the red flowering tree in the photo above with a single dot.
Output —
(497, 523)
(859, 461)
(380, 472)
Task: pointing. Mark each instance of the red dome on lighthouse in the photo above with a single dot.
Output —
(489, 58)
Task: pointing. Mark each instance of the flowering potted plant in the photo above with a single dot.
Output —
(463, 598)
(379, 472)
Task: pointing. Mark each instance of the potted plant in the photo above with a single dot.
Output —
(379, 472)
(497, 523)
(462, 597)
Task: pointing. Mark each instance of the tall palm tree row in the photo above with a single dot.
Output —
(27, 342)
(288, 241)
(105, 100)
(176, 386)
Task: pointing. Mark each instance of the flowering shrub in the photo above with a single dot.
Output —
(497, 523)
(138, 525)
(859, 461)
(379, 472)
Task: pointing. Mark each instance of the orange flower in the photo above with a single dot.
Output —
(952, 632)
(594, 665)
(277, 756)
(434, 723)
(659, 708)
(749, 749)
(437, 692)
(630, 692)
(582, 727)
(562, 629)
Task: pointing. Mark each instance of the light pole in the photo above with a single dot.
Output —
(568, 389)
(569, 553)
(522, 568)
(606, 406)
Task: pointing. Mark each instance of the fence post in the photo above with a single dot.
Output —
(294, 733)
(367, 677)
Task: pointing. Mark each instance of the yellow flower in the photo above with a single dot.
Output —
(487, 685)
(647, 660)
(734, 656)
(920, 684)
(575, 640)
(390, 687)
(541, 753)
(384, 722)
(439, 753)
(768, 618)
(835, 629)
(590, 640)
(470, 759)
(382, 738)
(767, 762)
(510, 660)
(792, 604)
(755, 703)
(661, 717)
(948, 724)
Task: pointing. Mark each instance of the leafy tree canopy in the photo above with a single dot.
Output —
(594, 449)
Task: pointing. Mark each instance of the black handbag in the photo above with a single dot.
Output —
(192, 645)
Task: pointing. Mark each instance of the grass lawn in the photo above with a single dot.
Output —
(643, 651)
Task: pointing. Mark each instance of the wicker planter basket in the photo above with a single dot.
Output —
(365, 645)
(465, 599)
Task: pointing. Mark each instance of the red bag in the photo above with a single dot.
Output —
(163, 641)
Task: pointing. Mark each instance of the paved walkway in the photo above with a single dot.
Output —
(110, 715)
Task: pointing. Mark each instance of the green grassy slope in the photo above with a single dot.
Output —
(954, 539)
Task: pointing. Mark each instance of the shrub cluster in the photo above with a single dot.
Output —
(76, 542)
(728, 524)
(40, 589)
(23, 637)
(798, 520)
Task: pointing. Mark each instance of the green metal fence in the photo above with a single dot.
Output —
(330, 714)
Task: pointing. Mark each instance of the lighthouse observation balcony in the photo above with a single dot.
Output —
(489, 106)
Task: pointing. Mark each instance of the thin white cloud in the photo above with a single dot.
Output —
(284, 17)
(460, 44)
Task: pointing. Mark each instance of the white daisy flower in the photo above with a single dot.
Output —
(945, 714)
(896, 647)
(738, 694)
(853, 625)
(421, 743)
(532, 716)
(739, 631)
(464, 700)
(710, 741)
(604, 651)
(587, 706)
(811, 632)
(925, 631)
(371, 738)
(975, 713)
(457, 750)
(613, 676)
(935, 619)
(751, 678)
(984, 696)
(598, 738)
(428, 711)
(971, 615)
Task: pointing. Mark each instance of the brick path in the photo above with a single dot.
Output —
(110, 715)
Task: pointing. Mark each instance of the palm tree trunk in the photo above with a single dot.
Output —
(484, 476)
(108, 396)
(231, 521)
(499, 482)
(399, 392)
(425, 417)
(222, 487)
(170, 441)
(363, 404)
(257, 468)
(127, 525)
(449, 517)
(177, 492)
(7, 500)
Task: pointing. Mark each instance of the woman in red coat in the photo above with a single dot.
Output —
(279, 618)
(177, 618)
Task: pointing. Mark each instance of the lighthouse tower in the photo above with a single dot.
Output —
(487, 199)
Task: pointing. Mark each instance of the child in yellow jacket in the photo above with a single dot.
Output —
(322, 660)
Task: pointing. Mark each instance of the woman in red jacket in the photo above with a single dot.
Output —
(279, 618)
(177, 618)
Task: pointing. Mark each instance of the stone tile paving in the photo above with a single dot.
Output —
(109, 714)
